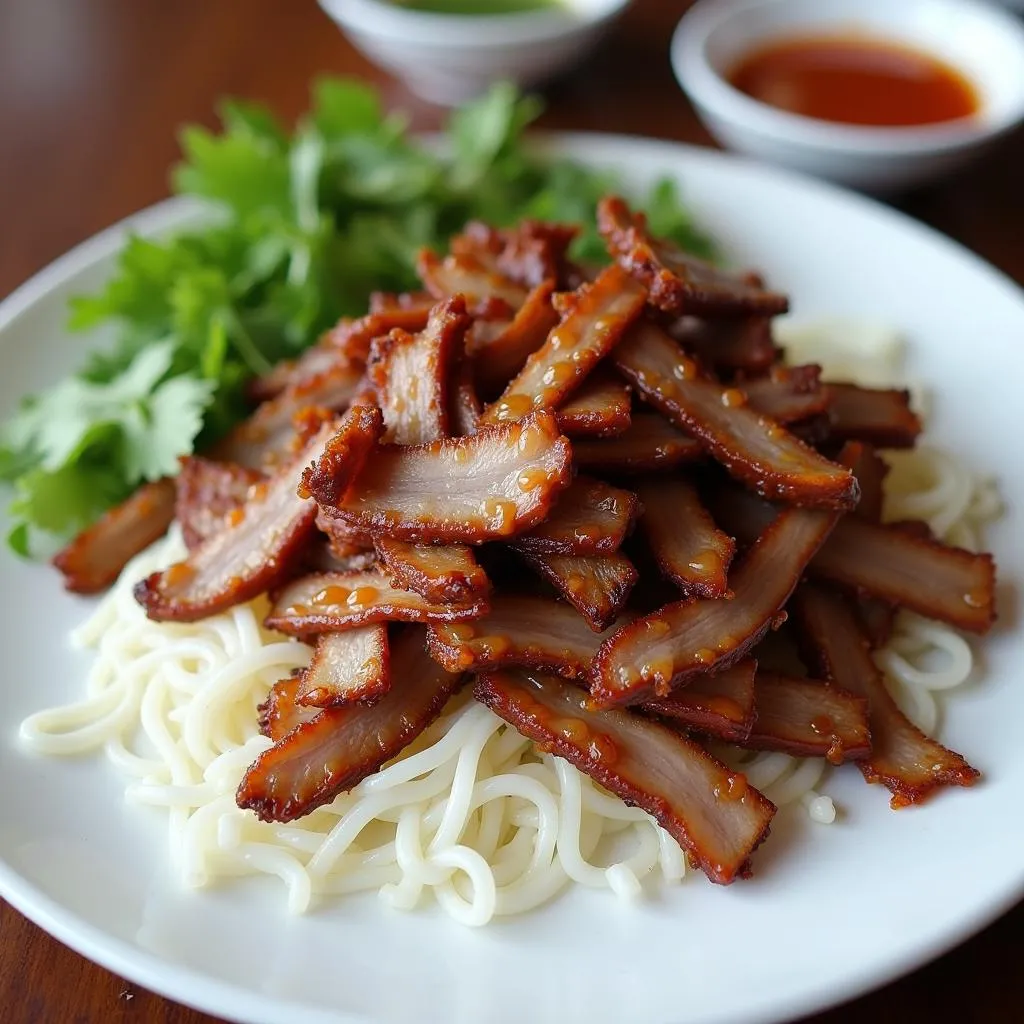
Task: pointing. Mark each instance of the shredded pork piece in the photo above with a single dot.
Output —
(411, 373)
(340, 747)
(808, 718)
(440, 573)
(689, 548)
(600, 408)
(206, 492)
(911, 764)
(467, 490)
(719, 705)
(347, 667)
(600, 314)
(678, 283)
(712, 812)
(589, 518)
(261, 545)
(881, 417)
(96, 556)
(752, 447)
(329, 602)
(650, 443)
(597, 586)
(680, 641)
(519, 629)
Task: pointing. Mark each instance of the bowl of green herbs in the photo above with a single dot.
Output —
(448, 51)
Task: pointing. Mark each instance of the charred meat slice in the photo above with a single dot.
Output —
(600, 408)
(329, 602)
(519, 629)
(912, 571)
(911, 764)
(650, 443)
(878, 416)
(348, 667)
(719, 705)
(342, 458)
(268, 437)
(411, 374)
(689, 548)
(590, 518)
(808, 718)
(738, 344)
(597, 586)
(680, 641)
(262, 543)
(788, 394)
(95, 558)
(339, 747)
(281, 711)
(467, 490)
(752, 447)
(599, 315)
(678, 283)
(497, 359)
(206, 493)
(440, 573)
(709, 810)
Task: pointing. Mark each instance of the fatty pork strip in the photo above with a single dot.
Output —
(590, 517)
(96, 556)
(206, 493)
(440, 573)
(911, 764)
(346, 344)
(674, 644)
(528, 253)
(486, 290)
(588, 331)
(491, 486)
(808, 718)
(649, 444)
(263, 541)
(719, 705)
(881, 417)
(281, 711)
(736, 344)
(327, 602)
(267, 438)
(709, 810)
(677, 282)
(896, 563)
(689, 548)
(788, 394)
(410, 374)
(339, 747)
(754, 448)
(348, 667)
(519, 629)
(497, 359)
(597, 586)
(600, 408)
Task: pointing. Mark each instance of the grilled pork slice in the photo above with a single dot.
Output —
(339, 747)
(714, 815)
(348, 667)
(911, 764)
(719, 705)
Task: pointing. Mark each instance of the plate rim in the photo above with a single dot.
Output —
(234, 1002)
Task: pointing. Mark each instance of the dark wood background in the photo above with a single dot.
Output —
(91, 95)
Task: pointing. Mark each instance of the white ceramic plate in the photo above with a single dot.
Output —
(831, 912)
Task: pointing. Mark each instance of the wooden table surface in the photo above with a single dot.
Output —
(91, 95)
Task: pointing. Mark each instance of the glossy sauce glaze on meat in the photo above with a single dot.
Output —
(595, 491)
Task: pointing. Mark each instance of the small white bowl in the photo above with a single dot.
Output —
(449, 58)
(984, 43)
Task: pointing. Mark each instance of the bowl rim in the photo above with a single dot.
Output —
(428, 28)
(709, 89)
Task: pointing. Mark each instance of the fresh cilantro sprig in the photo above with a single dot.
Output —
(309, 224)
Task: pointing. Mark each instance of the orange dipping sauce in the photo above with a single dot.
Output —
(855, 80)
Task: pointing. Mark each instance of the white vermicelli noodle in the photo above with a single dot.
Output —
(471, 813)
